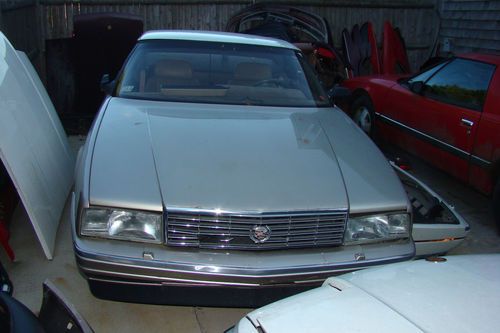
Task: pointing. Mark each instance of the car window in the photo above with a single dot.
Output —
(223, 73)
(462, 82)
(424, 76)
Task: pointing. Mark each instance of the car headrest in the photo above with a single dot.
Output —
(250, 71)
(174, 69)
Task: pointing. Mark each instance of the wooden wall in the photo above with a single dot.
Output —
(19, 22)
(418, 19)
(470, 25)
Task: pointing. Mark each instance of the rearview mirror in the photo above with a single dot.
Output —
(416, 87)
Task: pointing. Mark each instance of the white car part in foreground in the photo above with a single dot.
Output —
(33, 144)
(453, 294)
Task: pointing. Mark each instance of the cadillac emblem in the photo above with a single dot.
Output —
(260, 233)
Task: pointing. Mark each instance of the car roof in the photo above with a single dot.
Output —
(489, 58)
(212, 36)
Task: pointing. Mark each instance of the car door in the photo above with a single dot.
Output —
(439, 111)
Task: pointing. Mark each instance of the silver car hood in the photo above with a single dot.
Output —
(149, 155)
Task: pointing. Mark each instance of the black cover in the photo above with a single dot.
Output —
(302, 21)
(357, 50)
(57, 315)
(17, 318)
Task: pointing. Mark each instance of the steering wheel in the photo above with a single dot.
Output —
(278, 82)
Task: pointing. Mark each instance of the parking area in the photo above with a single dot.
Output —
(32, 268)
(216, 158)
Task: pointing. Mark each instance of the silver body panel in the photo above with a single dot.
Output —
(222, 158)
(268, 158)
(163, 156)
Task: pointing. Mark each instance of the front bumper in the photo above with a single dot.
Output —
(118, 270)
(157, 274)
(204, 274)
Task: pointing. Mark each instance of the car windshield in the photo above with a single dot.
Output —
(222, 73)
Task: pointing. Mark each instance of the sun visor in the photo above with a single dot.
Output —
(33, 145)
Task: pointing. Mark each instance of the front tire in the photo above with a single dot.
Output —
(363, 114)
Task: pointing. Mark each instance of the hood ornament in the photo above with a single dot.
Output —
(260, 233)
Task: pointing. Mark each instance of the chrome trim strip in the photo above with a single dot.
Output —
(126, 282)
(174, 209)
(113, 266)
(164, 280)
(453, 239)
(234, 231)
(438, 143)
(194, 283)
(480, 162)
(451, 149)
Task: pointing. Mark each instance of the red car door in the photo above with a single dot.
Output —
(437, 113)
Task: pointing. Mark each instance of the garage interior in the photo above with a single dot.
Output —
(72, 43)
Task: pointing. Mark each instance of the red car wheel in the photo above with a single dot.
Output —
(363, 114)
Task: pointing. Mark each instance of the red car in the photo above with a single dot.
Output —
(448, 115)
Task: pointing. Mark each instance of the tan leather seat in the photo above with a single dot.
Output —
(170, 74)
(249, 73)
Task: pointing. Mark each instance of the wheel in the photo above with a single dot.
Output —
(363, 114)
(496, 205)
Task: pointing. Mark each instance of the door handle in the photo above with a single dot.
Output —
(467, 122)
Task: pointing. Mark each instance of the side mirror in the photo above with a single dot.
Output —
(417, 87)
(339, 95)
(107, 84)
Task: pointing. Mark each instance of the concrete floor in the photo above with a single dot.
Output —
(31, 268)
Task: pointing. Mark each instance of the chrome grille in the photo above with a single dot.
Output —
(232, 231)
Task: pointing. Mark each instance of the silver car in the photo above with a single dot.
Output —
(219, 162)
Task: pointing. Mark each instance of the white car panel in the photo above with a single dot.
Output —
(33, 144)
(458, 294)
(326, 309)
(223, 37)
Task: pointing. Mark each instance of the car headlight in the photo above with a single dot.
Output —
(366, 229)
(122, 224)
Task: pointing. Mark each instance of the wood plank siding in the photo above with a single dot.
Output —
(42, 28)
(19, 22)
(470, 25)
(418, 20)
